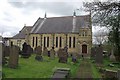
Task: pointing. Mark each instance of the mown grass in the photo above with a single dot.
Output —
(30, 68)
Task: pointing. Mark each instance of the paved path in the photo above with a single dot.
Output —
(85, 70)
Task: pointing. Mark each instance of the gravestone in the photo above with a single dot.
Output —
(29, 50)
(111, 74)
(45, 52)
(61, 73)
(99, 55)
(112, 57)
(14, 56)
(26, 50)
(118, 74)
(52, 53)
(4, 59)
(66, 50)
(62, 54)
(38, 52)
(7, 51)
(74, 57)
(93, 53)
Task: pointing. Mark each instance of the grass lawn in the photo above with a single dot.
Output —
(106, 62)
(30, 68)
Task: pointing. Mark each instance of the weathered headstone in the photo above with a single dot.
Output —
(38, 51)
(29, 49)
(112, 57)
(14, 56)
(7, 51)
(4, 60)
(61, 73)
(45, 52)
(62, 56)
(66, 50)
(93, 53)
(99, 55)
(52, 53)
(26, 50)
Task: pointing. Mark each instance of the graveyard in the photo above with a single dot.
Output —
(30, 68)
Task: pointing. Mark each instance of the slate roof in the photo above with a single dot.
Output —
(22, 33)
(60, 24)
(55, 25)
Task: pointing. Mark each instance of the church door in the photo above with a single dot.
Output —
(84, 48)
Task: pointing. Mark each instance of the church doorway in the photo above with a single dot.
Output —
(84, 48)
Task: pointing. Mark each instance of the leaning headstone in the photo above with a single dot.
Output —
(99, 55)
(112, 57)
(45, 52)
(14, 56)
(118, 74)
(93, 53)
(52, 53)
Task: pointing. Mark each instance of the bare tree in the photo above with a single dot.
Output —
(100, 36)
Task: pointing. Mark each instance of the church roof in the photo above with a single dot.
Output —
(60, 24)
(22, 33)
(56, 25)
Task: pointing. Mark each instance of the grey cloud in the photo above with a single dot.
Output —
(11, 29)
(8, 17)
(61, 8)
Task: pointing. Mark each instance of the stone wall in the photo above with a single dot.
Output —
(17, 42)
(78, 46)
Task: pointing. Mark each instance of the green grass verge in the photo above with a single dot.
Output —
(106, 62)
(96, 73)
(30, 68)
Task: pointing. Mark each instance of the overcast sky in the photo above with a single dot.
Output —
(15, 13)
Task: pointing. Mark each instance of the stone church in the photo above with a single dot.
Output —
(75, 32)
